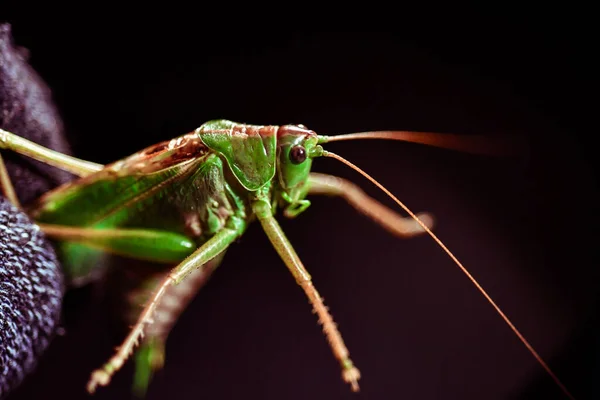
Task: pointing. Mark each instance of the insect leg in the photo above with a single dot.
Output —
(197, 260)
(151, 354)
(76, 166)
(141, 244)
(6, 185)
(393, 222)
(263, 211)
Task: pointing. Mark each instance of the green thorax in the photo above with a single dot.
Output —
(249, 150)
(266, 159)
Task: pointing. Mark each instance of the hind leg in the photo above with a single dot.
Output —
(10, 141)
(6, 185)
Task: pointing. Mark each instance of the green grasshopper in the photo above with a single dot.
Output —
(183, 202)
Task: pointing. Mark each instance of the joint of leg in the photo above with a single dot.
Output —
(175, 278)
(3, 139)
(262, 208)
(236, 223)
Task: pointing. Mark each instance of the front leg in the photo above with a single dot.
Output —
(263, 211)
(391, 221)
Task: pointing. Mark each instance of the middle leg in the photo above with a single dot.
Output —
(151, 354)
(197, 260)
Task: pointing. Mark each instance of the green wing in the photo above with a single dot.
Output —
(122, 185)
(159, 188)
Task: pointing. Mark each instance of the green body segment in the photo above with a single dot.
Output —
(249, 150)
(170, 198)
(179, 193)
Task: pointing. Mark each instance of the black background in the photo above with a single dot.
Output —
(415, 326)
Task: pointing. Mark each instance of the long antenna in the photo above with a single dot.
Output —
(475, 144)
(464, 270)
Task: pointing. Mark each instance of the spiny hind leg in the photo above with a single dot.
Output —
(197, 260)
(10, 141)
(151, 355)
(393, 222)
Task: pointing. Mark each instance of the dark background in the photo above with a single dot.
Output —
(415, 326)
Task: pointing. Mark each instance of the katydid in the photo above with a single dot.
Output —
(183, 202)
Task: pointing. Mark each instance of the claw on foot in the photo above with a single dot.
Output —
(351, 375)
(99, 377)
(426, 219)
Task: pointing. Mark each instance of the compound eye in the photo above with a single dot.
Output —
(297, 154)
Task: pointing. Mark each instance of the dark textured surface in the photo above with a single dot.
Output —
(31, 290)
(31, 282)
